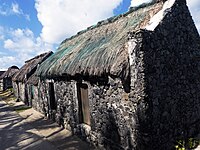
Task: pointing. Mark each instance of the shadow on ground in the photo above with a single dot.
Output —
(32, 132)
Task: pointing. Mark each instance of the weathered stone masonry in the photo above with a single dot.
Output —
(171, 82)
(111, 113)
(156, 106)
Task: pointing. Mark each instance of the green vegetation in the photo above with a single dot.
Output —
(189, 144)
(8, 97)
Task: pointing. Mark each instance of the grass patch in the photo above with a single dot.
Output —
(10, 104)
(7, 95)
(9, 98)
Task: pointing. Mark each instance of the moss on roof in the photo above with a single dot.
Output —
(10, 72)
(99, 50)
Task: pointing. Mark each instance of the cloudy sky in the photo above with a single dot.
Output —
(31, 27)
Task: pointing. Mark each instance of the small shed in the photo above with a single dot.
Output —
(24, 73)
(6, 77)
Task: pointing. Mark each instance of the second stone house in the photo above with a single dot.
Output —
(21, 77)
(6, 77)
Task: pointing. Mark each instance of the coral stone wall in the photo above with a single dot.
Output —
(1, 85)
(33, 97)
(7, 83)
(112, 112)
(171, 81)
(15, 88)
(42, 101)
(161, 104)
(23, 92)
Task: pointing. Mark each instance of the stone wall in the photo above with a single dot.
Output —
(112, 112)
(23, 92)
(1, 85)
(15, 89)
(171, 81)
(40, 103)
(33, 97)
(158, 106)
(7, 83)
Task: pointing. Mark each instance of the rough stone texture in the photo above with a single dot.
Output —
(1, 85)
(23, 92)
(156, 107)
(33, 99)
(15, 88)
(112, 113)
(6, 83)
(42, 101)
(170, 108)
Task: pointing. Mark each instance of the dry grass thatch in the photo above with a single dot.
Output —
(10, 72)
(99, 50)
(33, 79)
(29, 67)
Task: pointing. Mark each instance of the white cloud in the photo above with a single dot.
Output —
(14, 9)
(22, 41)
(194, 6)
(7, 61)
(63, 18)
(135, 3)
(21, 46)
(1, 33)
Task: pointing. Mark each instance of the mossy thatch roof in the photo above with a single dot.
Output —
(33, 79)
(99, 50)
(10, 72)
(29, 67)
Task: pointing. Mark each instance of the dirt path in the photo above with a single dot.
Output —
(29, 130)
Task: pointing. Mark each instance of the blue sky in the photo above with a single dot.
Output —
(31, 27)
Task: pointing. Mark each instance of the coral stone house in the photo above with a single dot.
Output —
(129, 82)
(21, 88)
(6, 77)
(33, 92)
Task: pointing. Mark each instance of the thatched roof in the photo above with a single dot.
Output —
(10, 72)
(33, 79)
(101, 49)
(30, 66)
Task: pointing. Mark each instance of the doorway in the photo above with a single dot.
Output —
(83, 101)
(52, 101)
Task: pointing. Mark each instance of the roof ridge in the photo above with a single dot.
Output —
(111, 19)
(38, 56)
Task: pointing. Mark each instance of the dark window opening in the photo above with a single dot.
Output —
(83, 101)
(52, 101)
